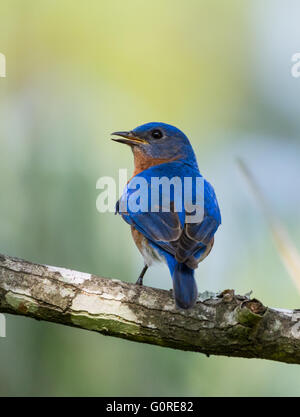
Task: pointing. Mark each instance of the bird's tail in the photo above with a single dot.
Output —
(184, 285)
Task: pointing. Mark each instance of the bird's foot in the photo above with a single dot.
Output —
(139, 281)
(140, 278)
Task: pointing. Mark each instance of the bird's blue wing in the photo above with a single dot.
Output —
(161, 228)
(203, 232)
(199, 237)
(187, 242)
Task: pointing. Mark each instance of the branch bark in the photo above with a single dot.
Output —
(230, 325)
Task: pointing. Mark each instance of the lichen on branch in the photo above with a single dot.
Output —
(227, 324)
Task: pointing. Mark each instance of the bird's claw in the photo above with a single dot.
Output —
(139, 281)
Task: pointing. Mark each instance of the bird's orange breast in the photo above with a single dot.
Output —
(143, 161)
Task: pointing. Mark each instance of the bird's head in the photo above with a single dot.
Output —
(158, 141)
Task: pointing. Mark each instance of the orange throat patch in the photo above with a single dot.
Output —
(143, 161)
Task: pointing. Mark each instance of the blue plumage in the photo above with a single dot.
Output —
(162, 150)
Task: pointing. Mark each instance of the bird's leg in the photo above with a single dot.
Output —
(140, 278)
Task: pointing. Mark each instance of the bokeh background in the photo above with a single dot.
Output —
(78, 70)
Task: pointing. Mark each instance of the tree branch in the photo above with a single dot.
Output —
(229, 325)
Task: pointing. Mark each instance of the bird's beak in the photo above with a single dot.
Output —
(129, 138)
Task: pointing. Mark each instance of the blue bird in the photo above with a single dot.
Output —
(161, 150)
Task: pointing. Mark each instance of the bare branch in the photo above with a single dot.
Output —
(229, 325)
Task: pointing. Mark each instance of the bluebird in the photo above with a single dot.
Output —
(161, 150)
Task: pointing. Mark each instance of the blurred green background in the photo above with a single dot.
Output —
(78, 70)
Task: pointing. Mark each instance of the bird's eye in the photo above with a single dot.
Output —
(156, 134)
